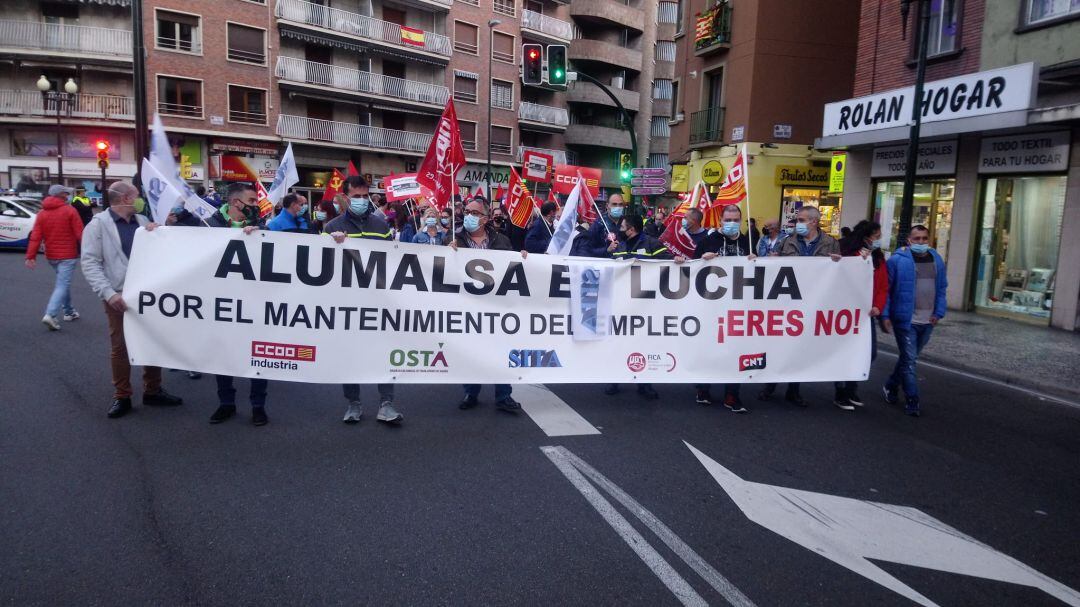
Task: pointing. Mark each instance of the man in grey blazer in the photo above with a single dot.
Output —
(106, 247)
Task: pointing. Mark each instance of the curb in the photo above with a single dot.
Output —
(1006, 378)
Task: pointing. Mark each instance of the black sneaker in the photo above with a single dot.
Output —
(161, 399)
(468, 402)
(703, 397)
(891, 394)
(648, 392)
(795, 398)
(853, 398)
(841, 401)
(258, 416)
(734, 404)
(612, 389)
(508, 404)
(223, 413)
(119, 408)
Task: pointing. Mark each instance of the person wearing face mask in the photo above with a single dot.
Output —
(691, 224)
(916, 303)
(771, 237)
(293, 215)
(865, 241)
(539, 235)
(655, 225)
(431, 232)
(107, 245)
(601, 240)
(360, 221)
(445, 219)
(477, 234)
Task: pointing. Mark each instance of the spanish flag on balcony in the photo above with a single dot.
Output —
(411, 36)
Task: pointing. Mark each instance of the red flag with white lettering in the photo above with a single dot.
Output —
(444, 158)
(586, 207)
(519, 201)
(265, 206)
(675, 237)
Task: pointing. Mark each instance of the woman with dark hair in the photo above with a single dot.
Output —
(865, 240)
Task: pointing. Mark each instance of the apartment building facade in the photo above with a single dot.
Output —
(750, 74)
(997, 189)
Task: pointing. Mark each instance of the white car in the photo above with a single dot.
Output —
(17, 216)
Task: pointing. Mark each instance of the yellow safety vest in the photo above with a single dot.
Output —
(83, 199)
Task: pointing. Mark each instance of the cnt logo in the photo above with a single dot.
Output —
(419, 361)
(750, 362)
(533, 358)
(272, 355)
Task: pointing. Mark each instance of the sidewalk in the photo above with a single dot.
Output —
(1037, 358)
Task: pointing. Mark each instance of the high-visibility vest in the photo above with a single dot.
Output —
(83, 199)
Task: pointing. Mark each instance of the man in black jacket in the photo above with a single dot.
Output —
(361, 221)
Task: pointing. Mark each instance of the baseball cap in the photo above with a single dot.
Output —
(58, 189)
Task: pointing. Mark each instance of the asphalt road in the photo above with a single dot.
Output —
(463, 507)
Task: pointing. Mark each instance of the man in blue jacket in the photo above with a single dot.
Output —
(601, 238)
(293, 215)
(536, 241)
(917, 285)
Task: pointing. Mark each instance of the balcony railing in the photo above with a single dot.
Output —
(713, 28)
(346, 79)
(556, 116)
(90, 107)
(359, 25)
(167, 108)
(668, 12)
(502, 148)
(548, 25)
(707, 125)
(559, 155)
(313, 129)
(505, 7)
(247, 117)
(79, 39)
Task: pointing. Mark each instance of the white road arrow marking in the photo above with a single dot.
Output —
(551, 413)
(849, 531)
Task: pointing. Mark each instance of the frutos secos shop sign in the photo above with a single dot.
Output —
(935, 158)
(1027, 153)
(1009, 89)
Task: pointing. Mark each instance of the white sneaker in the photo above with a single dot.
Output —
(73, 316)
(353, 413)
(50, 322)
(388, 414)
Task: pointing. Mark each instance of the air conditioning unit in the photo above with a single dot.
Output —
(617, 82)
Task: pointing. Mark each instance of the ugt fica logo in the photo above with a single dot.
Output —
(638, 362)
(271, 355)
(419, 361)
(533, 358)
(750, 362)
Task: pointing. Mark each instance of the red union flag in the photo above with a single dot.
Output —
(519, 201)
(333, 185)
(732, 191)
(586, 207)
(566, 177)
(675, 237)
(444, 158)
(265, 206)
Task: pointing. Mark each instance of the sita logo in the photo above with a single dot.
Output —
(534, 358)
(418, 358)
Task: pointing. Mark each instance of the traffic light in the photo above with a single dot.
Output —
(103, 153)
(626, 166)
(532, 71)
(556, 59)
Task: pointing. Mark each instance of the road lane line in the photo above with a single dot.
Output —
(660, 567)
(713, 577)
(551, 413)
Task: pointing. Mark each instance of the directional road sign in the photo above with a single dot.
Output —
(648, 181)
(649, 172)
(648, 191)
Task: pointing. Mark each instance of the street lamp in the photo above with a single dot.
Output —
(65, 97)
(491, 47)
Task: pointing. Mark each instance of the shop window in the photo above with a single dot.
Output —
(933, 208)
(795, 198)
(1019, 236)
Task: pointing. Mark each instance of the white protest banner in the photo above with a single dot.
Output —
(300, 307)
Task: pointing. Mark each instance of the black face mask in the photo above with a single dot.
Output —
(251, 214)
(498, 221)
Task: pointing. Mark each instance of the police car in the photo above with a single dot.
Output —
(17, 220)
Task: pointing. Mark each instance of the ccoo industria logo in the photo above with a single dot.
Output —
(271, 355)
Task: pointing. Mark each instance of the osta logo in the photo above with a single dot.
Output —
(638, 362)
(750, 362)
(272, 355)
(419, 361)
(533, 358)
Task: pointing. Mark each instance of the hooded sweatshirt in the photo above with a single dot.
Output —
(59, 225)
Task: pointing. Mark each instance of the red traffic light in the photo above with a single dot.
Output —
(103, 146)
(533, 54)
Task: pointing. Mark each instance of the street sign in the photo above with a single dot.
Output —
(648, 191)
(649, 172)
(648, 181)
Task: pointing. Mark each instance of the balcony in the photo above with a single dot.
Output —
(31, 104)
(587, 92)
(713, 32)
(64, 41)
(322, 76)
(356, 26)
(609, 12)
(707, 126)
(544, 117)
(607, 135)
(546, 28)
(612, 54)
(559, 156)
(352, 135)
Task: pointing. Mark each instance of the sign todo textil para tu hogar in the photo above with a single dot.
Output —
(300, 307)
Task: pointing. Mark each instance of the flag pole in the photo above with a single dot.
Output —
(746, 186)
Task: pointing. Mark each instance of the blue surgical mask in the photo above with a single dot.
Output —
(320, 215)
(303, 210)
(430, 222)
(359, 205)
(471, 223)
(789, 231)
(801, 229)
(616, 212)
(875, 244)
(685, 224)
(177, 210)
(445, 221)
(731, 228)
(920, 249)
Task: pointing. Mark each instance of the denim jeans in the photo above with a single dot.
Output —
(61, 295)
(910, 342)
(227, 393)
(502, 391)
(352, 392)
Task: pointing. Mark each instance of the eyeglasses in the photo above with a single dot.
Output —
(475, 213)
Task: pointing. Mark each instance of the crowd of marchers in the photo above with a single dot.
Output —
(908, 291)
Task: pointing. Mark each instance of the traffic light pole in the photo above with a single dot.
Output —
(626, 115)
(907, 204)
(142, 128)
